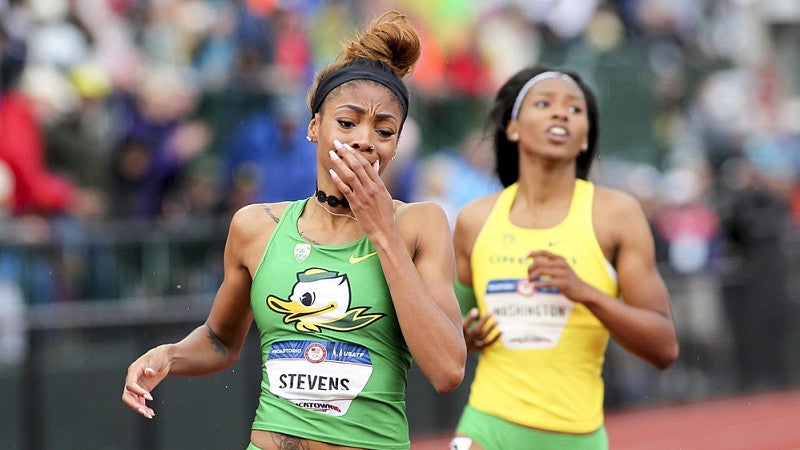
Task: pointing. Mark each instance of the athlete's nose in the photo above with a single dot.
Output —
(362, 141)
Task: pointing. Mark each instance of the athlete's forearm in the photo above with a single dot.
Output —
(644, 332)
(432, 332)
(201, 352)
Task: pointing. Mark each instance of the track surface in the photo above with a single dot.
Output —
(769, 421)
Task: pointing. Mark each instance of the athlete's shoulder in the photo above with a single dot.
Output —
(422, 210)
(475, 213)
(618, 216)
(423, 221)
(615, 201)
(255, 217)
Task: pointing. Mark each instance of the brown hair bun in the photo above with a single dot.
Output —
(389, 44)
(389, 38)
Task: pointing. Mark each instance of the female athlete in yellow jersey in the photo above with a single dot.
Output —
(556, 265)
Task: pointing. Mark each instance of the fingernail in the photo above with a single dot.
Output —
(334, 156)
(148, 396)
(149, 371)
(333, 174)
(337, 144)
(145, 413)
(377, 165)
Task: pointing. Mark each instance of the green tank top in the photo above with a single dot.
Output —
(335, 363)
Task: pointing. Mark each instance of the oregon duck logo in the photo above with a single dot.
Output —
(321, 299)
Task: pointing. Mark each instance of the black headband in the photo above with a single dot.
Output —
(360, 72)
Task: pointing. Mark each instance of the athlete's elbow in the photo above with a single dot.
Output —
(231, 360)
(447, 382)
(449, 377)
(669, 355)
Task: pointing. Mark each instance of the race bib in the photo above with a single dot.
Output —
(527, 318)
(318, 376)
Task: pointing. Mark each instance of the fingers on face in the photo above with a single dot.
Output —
(351, 166)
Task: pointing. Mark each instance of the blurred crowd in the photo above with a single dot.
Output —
(163, 108)
(170, 110)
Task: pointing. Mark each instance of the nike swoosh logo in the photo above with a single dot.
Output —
(357, 259)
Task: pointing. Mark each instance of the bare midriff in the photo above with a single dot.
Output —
(268, 440)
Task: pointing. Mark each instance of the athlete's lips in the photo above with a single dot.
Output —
(560, 130)
(558, 133)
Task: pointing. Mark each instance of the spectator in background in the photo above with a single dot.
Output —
(47, 206)
(292, 53)
(268, 158)
(401, 177)
(474, 164)
(37, 190)
(78, 139)
(689, 227)
(455, 178)
(159, 139)
(755, 288)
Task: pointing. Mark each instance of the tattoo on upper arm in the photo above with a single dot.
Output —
(271, 213)
(284, 442)
(218, 345)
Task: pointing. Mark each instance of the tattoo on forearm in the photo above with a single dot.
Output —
(271, 213)
(218, 345)
(284, 442)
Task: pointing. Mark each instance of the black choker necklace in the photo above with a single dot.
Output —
(331, 200)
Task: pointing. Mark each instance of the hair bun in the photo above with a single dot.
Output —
(389, 38)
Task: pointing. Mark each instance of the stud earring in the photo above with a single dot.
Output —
(308, 138)
(584, 147)
(514, 137)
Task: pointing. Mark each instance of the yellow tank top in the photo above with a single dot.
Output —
(545, 371)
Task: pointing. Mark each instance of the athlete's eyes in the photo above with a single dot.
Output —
(344, 123)
(307, 299)
(385, 133)
(575, 109)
